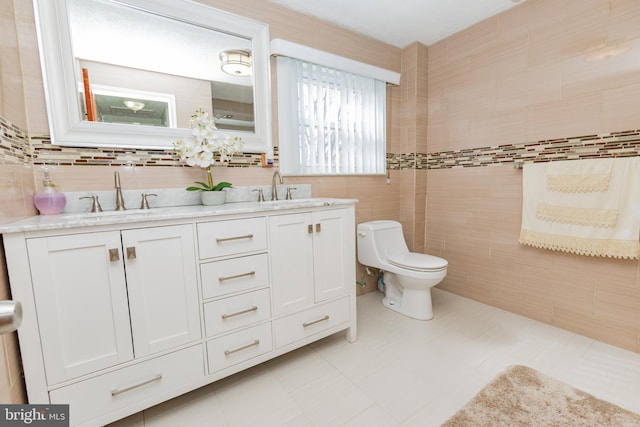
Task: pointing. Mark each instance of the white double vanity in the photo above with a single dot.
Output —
(126, 310)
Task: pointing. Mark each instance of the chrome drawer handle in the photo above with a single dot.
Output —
(228, 239)
(236, 276)
(131, 387)
(244, 347)
(307, 324)
(238, 313)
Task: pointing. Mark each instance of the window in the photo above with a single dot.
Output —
(331, 122)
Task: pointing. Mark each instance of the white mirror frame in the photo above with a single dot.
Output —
(61, 93)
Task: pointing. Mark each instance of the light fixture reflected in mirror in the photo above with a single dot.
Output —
(236, 62)
(134, 106)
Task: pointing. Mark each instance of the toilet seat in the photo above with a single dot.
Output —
(417, 262)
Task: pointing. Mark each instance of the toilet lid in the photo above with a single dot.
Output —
(418, 262)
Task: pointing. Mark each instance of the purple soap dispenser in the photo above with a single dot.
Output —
(49, 201)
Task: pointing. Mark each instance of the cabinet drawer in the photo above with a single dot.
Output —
(234, 275)
(306, 323)
(232, 237)
(235, 312)
(98, 396)
(240, 346)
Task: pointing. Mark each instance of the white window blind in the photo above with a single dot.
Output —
(330, 122)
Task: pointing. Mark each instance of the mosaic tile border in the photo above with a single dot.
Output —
(14, 143)
(615, 144)
(396, 161)
(44, 153)
(17, 147)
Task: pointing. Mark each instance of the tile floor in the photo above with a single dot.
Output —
(401, 372)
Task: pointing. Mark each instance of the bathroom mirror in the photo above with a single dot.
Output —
(130, 73)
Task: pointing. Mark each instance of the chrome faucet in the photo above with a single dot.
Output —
(119, 199)
(274, 188)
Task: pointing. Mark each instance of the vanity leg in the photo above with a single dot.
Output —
(352, 334)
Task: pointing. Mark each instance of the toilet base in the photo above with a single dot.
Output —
(412, 303)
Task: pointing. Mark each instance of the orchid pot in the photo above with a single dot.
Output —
(203, 150)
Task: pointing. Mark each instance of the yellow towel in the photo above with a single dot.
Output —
(597, 223)
(579, 176)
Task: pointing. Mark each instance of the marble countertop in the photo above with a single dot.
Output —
(88, 219)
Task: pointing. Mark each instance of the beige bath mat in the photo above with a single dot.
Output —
(522, 396)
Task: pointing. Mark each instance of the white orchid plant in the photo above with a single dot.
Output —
(205, 147)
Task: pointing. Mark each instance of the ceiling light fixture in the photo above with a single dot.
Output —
(236, 62)
(134, 106)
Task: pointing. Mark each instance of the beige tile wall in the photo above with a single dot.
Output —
(532, 74)
(11, 86)
(412, 121)
(545, 69)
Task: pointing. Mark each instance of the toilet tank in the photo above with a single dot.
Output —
(378, 238)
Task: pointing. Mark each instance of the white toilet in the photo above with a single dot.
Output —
(408, 276)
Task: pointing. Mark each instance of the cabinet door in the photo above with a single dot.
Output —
(334, 253)
(81, 300)
(291, 248)
(163, 293)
